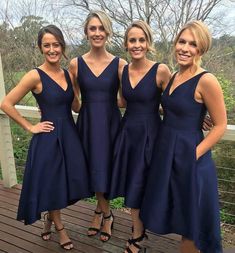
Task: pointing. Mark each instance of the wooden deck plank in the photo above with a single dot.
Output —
(81, 241)
(22, 242)
(15, 237)
(76, 219)
(6, 247)
(231, 250)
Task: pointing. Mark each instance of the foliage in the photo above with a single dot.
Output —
(228, 91)
(226, 218)
(18, 48)
(20, 139)
(25, 37)
(117, 203)
(224, 157)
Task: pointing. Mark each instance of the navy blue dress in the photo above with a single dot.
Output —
(134, 145)
(56, 174)
(181, 192)
(99, 120)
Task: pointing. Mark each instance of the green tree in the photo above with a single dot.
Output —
(19, 49)
(28, 55)
(228, 91)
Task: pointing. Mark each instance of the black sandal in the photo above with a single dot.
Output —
(66, 243)
(46, 219)
(93, 229)
(138, 239)
(137, 246)
(111, 226)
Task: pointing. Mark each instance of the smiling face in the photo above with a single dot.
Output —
(186, 49)
(96, 33)
(136, 45)
(51, 48)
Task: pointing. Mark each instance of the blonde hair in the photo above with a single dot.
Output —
(147, 31)
(202, 37)
(104, 19)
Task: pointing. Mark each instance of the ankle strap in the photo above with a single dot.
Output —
(97, 212)
(59, 229)
(138, 239)
(109, 216)
(137, 245)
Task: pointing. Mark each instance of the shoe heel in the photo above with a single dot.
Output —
(111, 226)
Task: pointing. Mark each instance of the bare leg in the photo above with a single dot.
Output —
(138, 230)
(56, 217)
(188, 246)
(108, 217)
(137, 223)
(47, 223)
(96, 221)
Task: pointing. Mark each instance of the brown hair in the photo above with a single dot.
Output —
(55, 31)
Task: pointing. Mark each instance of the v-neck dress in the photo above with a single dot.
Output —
(99, 120)
(134, 145)
(56, 174)
(181, 192)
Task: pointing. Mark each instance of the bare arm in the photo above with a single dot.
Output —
(73, 68)
(121, 101)
(162, 79)
(163, 76)
(30, 82)
(210, 93)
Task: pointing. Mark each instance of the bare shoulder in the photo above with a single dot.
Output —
(208, 82)
(73, 62)
(32, 77)
(73, 65)
(33, 73)
(122, 63)
(163, 76)
(163, 69)
(29, 81)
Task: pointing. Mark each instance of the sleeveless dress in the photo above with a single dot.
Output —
(56, 174)
(134, 145)
(181, 194)
(99, 120)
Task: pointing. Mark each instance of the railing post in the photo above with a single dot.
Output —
(7, 160)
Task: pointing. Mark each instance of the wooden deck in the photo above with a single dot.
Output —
(15, 237)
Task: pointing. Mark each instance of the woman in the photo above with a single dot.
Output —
(96, 75)
(142, 83)
(181, 192)
(53, 178)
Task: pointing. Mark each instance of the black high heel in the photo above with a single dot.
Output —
(134, 241)
(138, 239)
(93, 229)
(137, 246)
(46, 219)
(66, 243)
(111, 226)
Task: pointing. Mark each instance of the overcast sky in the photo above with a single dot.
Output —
(13, 10)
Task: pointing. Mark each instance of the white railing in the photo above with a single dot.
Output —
(6, 148)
